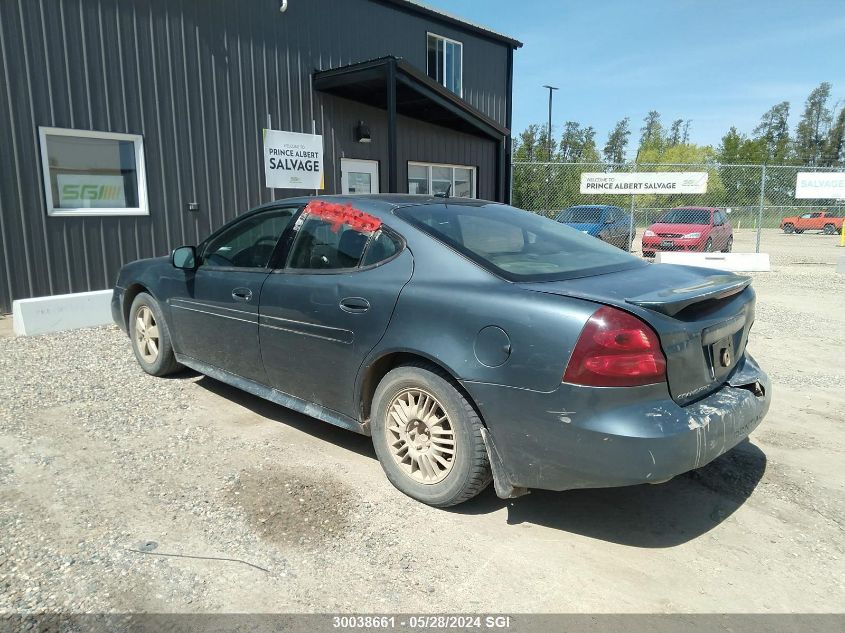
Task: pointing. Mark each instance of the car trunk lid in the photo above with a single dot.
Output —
(701, 316)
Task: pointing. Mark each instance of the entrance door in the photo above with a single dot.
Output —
(358, 176)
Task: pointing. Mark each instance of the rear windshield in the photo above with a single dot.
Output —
(686, 216)
(516, 244)
(582, 215)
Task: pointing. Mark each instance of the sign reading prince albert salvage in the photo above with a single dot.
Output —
(293, 160)
(665, 182)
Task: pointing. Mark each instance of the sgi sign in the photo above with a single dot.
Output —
(94, 191)
(292, 160)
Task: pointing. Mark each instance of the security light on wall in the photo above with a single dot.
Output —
(362, 133)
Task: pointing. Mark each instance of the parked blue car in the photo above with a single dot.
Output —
(608, 223)
(471, 340)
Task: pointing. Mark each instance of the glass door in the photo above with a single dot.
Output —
(358, 176)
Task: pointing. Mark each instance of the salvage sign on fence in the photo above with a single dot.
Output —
(820, 185)
(645, 183)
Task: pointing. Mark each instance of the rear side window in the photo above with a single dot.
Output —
(516, 244)
(383, 247)
(323, 245)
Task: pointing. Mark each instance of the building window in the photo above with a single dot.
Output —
(93, 173)
(430, 179)
(445, 62)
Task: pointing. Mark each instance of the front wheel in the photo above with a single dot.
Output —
(729, 245)
(788, 228)
(150, 337)
(427, 436)
(708, 247)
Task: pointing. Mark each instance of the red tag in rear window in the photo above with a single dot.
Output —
(339, 214)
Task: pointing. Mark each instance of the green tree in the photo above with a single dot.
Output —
(676, 133)
(773, 133)
(811, 133)
(617, 142)
(834, 149)
(651, 133)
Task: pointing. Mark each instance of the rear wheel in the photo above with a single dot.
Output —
(788, 228)
(729, 245)
(799, 231)
(427, 436)
(150, 337)
(829, 229)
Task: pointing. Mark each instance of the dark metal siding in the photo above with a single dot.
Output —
(197, 79)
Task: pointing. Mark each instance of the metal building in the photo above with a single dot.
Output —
(129, 127)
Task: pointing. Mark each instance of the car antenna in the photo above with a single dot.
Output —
(444, 194)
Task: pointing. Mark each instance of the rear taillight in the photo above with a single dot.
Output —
(616, 349)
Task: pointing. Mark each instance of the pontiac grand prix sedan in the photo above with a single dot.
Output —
(472, 340)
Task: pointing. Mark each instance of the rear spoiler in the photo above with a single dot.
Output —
(673, 300)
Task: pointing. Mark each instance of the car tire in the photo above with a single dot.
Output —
(648, 253)
(150, 337)
(799, 231)
(414, 461)
(708, 247)
(729, 245)
(788, 228)
(829, 229)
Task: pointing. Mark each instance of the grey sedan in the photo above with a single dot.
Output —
(473, 341)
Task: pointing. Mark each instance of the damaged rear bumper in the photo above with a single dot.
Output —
(582, 437)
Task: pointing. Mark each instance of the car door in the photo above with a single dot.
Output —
(328, 307)
(215, 310)
(803, 222)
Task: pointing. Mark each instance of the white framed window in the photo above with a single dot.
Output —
(93, 173)
(433, 178)
(445, 62)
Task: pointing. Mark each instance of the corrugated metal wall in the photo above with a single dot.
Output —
(197, 79)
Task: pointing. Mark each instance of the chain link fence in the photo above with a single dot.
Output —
(758, 201)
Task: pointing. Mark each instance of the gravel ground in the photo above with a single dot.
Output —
(123, 492)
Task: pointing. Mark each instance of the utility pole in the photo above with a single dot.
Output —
(549, 138)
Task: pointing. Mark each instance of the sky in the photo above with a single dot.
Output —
(716, 62)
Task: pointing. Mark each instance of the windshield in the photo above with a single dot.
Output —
(582, 215)
(516, 244)
(686, 216)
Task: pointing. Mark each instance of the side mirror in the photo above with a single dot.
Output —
(184, 257)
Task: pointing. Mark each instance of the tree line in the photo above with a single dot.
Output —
(818, 139)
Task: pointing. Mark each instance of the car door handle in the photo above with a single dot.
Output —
(242, 294)
(354, 305)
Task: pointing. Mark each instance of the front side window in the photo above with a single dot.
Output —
(516, 244)
(93, 173)
(250, 242)
(456, 180)
(445, 62)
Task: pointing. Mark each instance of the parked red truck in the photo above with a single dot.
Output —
(825, 221)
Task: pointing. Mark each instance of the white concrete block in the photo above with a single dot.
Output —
(42, 315)
(734, 262)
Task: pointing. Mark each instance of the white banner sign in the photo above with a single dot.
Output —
(820, 185)
(656, 182)
(293, 160)
(91, 191)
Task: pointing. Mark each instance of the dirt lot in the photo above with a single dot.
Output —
(107, 474)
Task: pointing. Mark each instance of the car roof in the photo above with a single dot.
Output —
(383, 203)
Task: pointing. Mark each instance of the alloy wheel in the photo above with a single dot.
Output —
(146, 334)
(420, 436)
